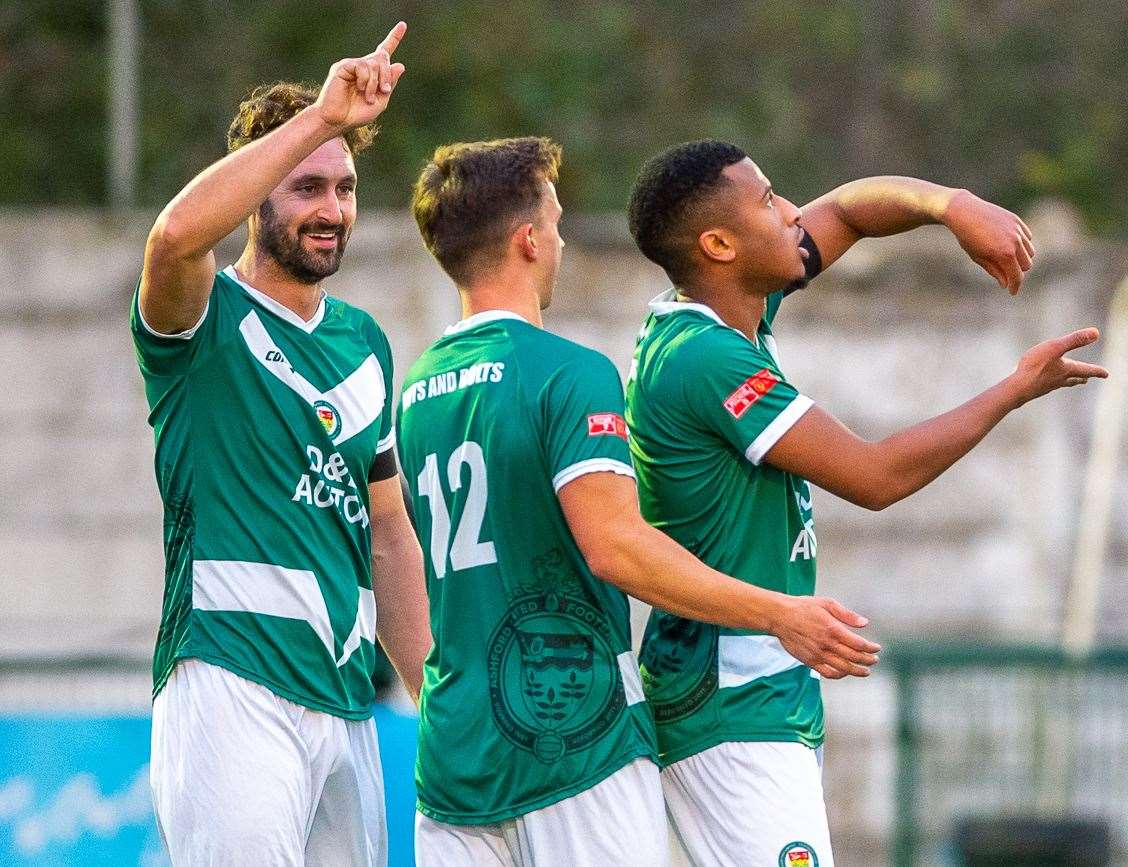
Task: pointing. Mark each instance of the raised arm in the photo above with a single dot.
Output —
(622, 549)
(403, 624)
(995, 239)
(179, 263)
(877, 474)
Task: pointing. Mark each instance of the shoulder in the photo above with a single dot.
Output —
(359, 319)
(687, 344)
(555, 356)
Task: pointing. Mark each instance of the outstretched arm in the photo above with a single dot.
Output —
(403, 624)
(877, 474)
(622, 549)
(179, 263)
(995, 239)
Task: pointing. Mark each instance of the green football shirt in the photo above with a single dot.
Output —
(531, 693)
(704, 405)
(268, 430)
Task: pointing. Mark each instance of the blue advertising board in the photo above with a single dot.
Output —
(74, 790)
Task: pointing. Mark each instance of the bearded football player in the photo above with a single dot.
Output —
(285, 529)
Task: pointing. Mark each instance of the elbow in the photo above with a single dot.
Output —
(874, 502)
(169, 238)
(609, 563)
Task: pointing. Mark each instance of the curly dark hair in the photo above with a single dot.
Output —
(668, 196)
(269, 106)
(471, 195)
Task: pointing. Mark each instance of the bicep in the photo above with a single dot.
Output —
(174, 290)
(822, 220)
(822, 450)
(596, 507)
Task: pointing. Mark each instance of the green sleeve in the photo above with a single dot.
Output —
(733, 388)
(170, 355)
(581, 408)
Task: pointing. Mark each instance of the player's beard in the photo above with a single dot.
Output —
(301, 264)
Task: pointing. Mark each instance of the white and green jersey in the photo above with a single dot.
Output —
(704, 405)
(531, 693)
(268, 430)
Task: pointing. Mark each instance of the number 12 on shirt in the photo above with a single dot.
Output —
(467, 550)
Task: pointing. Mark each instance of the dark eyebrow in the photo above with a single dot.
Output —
(320, 179)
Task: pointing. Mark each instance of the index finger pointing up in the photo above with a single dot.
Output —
(392, 40)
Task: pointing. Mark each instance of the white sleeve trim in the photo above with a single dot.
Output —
(780, 425)
(387, 442)
(592, 465)
(187, 334)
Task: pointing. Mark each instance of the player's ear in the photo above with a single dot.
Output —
(716, 245)
(525, 239)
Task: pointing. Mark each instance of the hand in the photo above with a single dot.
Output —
(1044, 369)
(995, 239)
(358, 89)
(813, 630)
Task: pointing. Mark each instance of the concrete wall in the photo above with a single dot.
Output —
(899, 330)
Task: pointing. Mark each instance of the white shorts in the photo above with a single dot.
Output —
(620, 822)
(242, 776)
(749, 805)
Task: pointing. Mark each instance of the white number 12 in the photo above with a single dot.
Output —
(466, 551)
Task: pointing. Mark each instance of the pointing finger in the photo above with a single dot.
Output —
(392, 40)
(1076, 340)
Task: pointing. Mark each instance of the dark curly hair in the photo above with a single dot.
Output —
(269, 106)
(668, 196)
(471, 195)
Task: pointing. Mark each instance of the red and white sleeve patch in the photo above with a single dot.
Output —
(750, 391)
(607, 424)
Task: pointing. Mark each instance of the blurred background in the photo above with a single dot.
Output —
(995, 732)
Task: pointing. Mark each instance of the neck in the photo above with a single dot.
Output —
(258, 269)
(499, 292)
(739, 307)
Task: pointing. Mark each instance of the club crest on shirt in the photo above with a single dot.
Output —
(328, 416)
(554, 680)
(679, 667)
(798, 854)
(607, 424)
(750, 391)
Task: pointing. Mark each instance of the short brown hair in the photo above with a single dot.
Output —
(269, 106)
(471, 195)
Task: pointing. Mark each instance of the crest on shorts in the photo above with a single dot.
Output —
(554, 680)
(798, 854)
(328, 416)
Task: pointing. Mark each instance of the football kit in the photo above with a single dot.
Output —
(531, 694)
(705, 404)
(268, 430)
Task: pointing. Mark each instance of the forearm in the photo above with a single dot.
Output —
(887, 205)
(912, 458)
(402, 621)
(224, 195)
(649, 565)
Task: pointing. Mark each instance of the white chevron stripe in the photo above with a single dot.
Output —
(359, 398)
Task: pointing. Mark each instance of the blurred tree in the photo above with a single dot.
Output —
(1013, 99)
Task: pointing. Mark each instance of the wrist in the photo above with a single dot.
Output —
(949, 201)
(776, 611)
(319, 129)
(1016, 388)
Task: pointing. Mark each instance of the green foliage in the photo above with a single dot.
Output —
(1011, 100)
